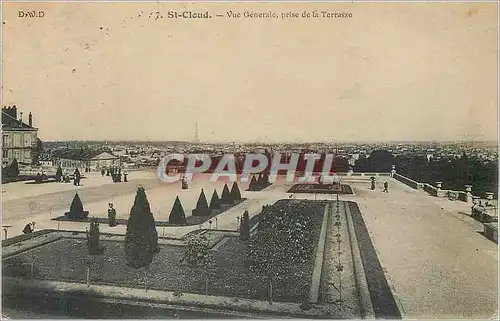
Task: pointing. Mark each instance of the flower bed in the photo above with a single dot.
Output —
(320, 189)
(67, 260)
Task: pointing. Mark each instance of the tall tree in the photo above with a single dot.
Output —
(141, 238)
(14, 168)
(380, 161)
(245, 227)
(37, 152)
(177, 215)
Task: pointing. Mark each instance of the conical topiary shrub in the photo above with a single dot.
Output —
(253, 183)
(177, 215)
(202, 208)
(265, 179)
(202, 200)
(215, 201)
(76, 209)
(76, 205)
(226, 196)
(260, 180)
(141, 239)
(235, 192)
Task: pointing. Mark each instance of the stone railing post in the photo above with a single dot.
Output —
(468, 193)
(438, 188)
(475, 202)
(393, 170)
(489, 198)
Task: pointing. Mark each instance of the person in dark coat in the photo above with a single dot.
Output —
(29, 228)
(111, 215)
(77, 177)
(386, 187)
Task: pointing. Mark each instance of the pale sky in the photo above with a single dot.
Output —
(409, 71)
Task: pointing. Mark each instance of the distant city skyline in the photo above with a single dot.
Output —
(394, 72)
(270, 141)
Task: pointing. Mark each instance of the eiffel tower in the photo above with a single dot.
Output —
(196, 137)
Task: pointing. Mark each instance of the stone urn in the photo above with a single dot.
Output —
(439, 185)
(468, 190)
(489, 198)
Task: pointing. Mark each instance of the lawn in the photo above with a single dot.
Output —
(67, 260)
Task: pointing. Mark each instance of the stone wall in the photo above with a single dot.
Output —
(408, 181)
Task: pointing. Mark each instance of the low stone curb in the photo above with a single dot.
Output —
(193, 300)
(365, 301)
(318, 263)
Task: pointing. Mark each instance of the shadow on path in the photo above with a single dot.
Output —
(384, 305)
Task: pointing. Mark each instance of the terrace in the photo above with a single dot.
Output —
(431, 253)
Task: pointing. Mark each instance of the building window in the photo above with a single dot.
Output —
(17, 154)
(27, 139)
(5, 141)
(17, 140)
(5, 153)
(27, 154)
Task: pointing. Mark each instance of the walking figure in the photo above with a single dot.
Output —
(184, 182)
(77, 177)
(386, 187)
(111, 215)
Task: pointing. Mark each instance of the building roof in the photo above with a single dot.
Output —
(80, 154)
(10, 122)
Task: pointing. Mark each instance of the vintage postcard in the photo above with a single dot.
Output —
(197, 160)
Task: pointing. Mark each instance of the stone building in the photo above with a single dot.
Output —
(19, 140)
(84, 158)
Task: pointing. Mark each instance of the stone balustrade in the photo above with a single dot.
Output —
(437, 191)
(407, 181)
